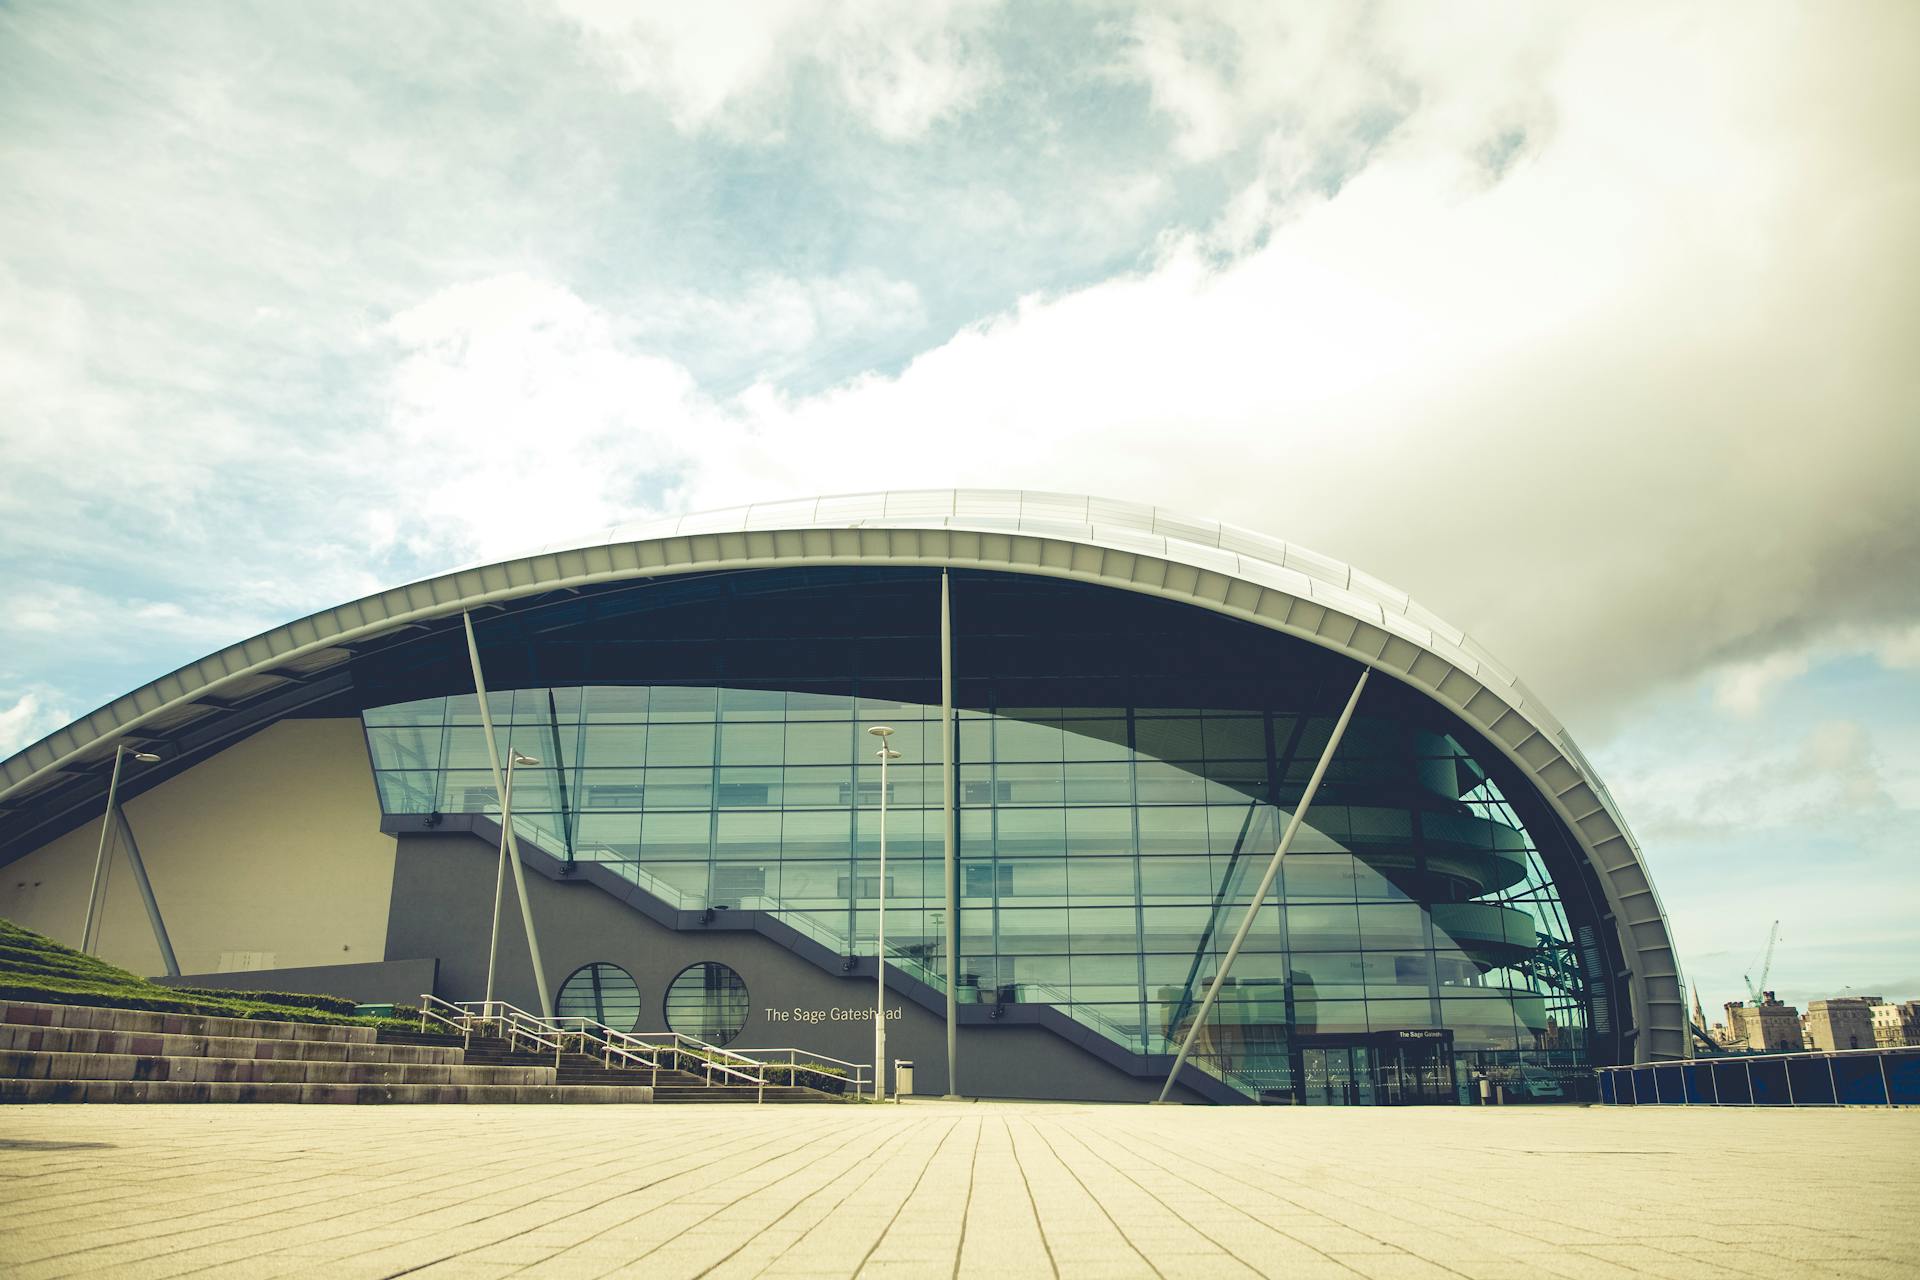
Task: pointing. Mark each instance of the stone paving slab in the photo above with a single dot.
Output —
(1002, 1190)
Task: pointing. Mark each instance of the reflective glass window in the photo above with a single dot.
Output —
(707, 1001)
(602, 993)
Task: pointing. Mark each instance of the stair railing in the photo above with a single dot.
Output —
(857, 1078)
(454, 1018)
(626, 1050)
(511, 1023)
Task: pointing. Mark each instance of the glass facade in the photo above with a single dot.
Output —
(1124, 768)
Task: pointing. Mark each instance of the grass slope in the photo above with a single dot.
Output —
(33, 967)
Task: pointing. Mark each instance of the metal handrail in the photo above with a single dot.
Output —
(857, 1077)
(459, 1022)
(517, 1023)
(590, 1036)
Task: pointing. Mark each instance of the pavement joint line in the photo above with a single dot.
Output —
(857, 1166)
(632, 1191)
(966, 1208)
(1257, 1189)
(908, 1198)
(1204, 1235)
(1095, 1200)
(532, 1179)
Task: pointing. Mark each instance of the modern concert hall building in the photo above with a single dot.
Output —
(1138, 700)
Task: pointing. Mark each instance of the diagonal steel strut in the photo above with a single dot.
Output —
(1266, 883)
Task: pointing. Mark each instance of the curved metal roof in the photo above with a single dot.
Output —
(1126, 545)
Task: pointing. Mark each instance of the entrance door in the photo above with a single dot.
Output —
(1336, 1076)
(1416, 1072)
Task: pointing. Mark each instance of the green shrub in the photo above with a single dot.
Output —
(285, 999)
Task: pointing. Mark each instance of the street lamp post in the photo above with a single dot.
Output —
(886, 753)
(98, 893)
(500, 876)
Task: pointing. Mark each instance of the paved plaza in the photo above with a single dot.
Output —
(940, 1189)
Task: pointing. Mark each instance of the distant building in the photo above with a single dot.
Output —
(1766, 1027)
(1895, 1025)
(1843, 1023)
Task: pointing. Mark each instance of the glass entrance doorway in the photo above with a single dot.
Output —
(1339, 1076)
(1389, 1068)
(1416, 1068)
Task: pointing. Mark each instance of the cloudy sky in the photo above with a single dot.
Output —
(1593, 327)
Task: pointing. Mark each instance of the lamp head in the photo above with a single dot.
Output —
(881, 731)
(146, 757)
(521, 757)
(887, 753)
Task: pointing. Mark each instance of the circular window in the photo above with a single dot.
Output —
(604, 992)
(708, 1001)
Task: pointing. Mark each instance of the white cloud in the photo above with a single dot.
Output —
(1744, 688)
(901, 65)
(778, 326)
(1842, 751)
(1900, 649)
(27, 721)
(515, 410)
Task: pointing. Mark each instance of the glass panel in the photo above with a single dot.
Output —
(825, 742)
(1328, 928)
(751, 743)
(1030, 832)
(670, 836)
(613, 746)
(680, 744)
(409, 747)
(615, 705)
(679, 704)
(1096, 740)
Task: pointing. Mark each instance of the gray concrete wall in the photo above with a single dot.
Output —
(441, 907)
(381, 982)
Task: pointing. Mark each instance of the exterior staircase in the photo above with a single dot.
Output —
(585, 1070)
(72, 1053)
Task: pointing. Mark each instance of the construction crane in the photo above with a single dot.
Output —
(1756, 989)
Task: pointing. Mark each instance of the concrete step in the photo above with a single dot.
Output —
(29, 1014)
(154, 1044)
(737, 1093)
(122, 1091)
(18, 1065)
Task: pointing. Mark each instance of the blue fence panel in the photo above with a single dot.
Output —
(1812, 1082)
(1671, 1083)
(1770, 1083)
(1699, 1082)
(1903, 1078)
(1857, 1081)
(1730, 1083)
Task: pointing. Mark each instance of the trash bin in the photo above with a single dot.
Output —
(902, 1078)
(1486, 1091)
